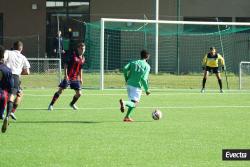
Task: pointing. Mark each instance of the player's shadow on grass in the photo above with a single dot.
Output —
(73, 122)
(57, 122)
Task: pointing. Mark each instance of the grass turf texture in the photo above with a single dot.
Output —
(193, 131)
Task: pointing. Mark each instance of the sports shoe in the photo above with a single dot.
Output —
(221, 91)
(5, 124)
(202, 90)
(73, 106)
(122, 108)
(12, 115)
(128, 119)
(50, 108)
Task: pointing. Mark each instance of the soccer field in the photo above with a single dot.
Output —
(193, 131)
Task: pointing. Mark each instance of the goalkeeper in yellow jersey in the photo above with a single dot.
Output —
(210, 63)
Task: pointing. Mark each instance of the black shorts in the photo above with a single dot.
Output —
(17, 84)
(215, 70)
(74, 84)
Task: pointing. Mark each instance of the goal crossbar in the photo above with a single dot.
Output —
(175, 22)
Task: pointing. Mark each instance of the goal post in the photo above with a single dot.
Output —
(244, 75)
(44, 72)
(195, 38)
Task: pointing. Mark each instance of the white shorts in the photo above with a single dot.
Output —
(134, 93)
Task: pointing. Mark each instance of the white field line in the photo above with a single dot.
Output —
(123, 94)
(149, 107)
(152, 89)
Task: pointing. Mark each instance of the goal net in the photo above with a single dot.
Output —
(176, 47)
(244, 76)
(44, 73)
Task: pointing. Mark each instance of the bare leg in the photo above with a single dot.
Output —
(54, 99)
(205, 76)
(75, 98)
(219, 81)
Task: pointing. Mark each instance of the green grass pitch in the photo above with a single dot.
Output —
(193, 131)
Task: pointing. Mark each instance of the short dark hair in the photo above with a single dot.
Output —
(1, 52)
(144, 54)
(212, 48)
(17, 45)
(80, 44)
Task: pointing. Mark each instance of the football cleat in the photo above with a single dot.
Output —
(73, 106)
(221, 91)
(202, 90)
(122, 108)
(12, 115)
(50, 108)
(128, 119)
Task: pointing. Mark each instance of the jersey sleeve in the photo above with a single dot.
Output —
(26, 64)
(126, 70)
(204, 61)
(144, 79)
(221, 60)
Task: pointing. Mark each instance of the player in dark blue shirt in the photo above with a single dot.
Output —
(6, 88)
(73, 76)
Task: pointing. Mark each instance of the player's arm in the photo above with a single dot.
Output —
(80, 75)
(83, 59)
(221, 59)
(6, 56)
(204, 62)
(126, 71)
(66, 71)
(26, 67)
(144, 81)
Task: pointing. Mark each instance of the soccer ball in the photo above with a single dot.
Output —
(156, 115)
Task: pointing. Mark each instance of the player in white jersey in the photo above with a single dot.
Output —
(19, 65)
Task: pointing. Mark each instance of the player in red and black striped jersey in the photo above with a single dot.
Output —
(73, 76)
(6, 88)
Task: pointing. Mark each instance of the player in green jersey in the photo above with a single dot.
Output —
(136, 76)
